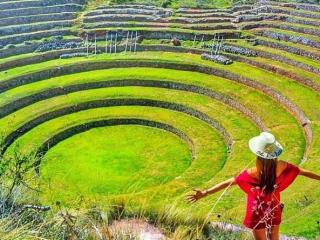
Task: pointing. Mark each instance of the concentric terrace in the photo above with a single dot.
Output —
(122, 105)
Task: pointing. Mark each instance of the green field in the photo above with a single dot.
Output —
(122, 159)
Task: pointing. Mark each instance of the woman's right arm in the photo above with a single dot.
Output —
(309, 174)
(198, 194)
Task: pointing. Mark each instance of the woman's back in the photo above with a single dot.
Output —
(281, 166)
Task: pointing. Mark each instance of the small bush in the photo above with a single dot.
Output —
(166, 3)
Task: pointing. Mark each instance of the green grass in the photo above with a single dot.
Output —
(201, 172)
(116, 158)
(208, 156)
(237, 130)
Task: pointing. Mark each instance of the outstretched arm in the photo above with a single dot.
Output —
(309, 174)
(198, 194)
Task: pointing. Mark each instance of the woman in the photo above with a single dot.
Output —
(262, 184)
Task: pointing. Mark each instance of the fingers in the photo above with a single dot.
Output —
(191, 198)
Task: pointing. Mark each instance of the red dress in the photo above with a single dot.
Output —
(264, 211)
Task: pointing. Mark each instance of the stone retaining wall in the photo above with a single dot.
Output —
(122, 18)
(271, 9)
(291, 38)
(34, 27)
(134, 6)
(215, 26)
(201, 10)
(241, 7)
(137, 11)
(290, 49)
(250, 25)
(36, 3)
(302, 14)
(303, 21)
(41, 10)
(169, 34)
(258, 17)
(207, 15)
(37, 18)
(305, 30)
(308, 7)
(198, 20)
(15, 39)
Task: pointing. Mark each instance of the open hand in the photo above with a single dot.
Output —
(195, 196)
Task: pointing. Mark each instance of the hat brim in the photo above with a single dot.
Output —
(253, 143)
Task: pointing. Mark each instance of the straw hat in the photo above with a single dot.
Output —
(265, 145)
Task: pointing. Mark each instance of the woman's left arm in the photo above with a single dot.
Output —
(309, 174)
(198, 194)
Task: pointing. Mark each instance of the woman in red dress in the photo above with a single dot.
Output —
(262, 184)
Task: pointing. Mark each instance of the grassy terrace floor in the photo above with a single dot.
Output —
(120, 161)
(237, 125)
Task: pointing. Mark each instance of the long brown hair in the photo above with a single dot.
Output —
(267, 174)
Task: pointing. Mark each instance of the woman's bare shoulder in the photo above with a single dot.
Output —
(281, 165)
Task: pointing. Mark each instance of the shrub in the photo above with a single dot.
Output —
(166, 3)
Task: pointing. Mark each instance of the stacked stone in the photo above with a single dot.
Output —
(57, 43)
(239, 50)
(291, 38)
(217, 58)
(71, 55)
